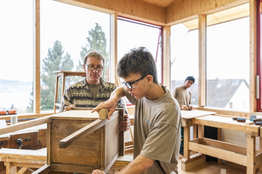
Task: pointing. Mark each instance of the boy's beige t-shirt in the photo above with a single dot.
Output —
(182, 95)
(157, 132)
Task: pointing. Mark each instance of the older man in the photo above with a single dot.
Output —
(93, 89)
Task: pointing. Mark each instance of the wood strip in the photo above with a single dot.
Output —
(111, 163)
(219, 153)
(85, 131)
(186, 141)
(72, 168)
(37, 67)
(224, 145)
(43, 170)
(24, 125)
(251, 146)
(227, 123)
(202, 60)
(22, 170)
(121, 135)
(48, 142)
(166, 57)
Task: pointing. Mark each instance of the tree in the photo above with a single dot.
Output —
(96, 41)
(55, 61)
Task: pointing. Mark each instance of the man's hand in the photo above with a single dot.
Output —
(184, 107)
(98, 172)
(67, 108)
(125, 125)
(190, 107)
(109, 104)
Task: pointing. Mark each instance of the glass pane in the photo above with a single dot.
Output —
(184, 58)
(228, 65)
(16, 72)
(133, 34)
(67, 33)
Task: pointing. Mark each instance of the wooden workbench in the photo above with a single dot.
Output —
(246, 156)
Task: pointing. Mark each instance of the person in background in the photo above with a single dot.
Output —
(183, 97)
(157, 115)
(182, 94)
(93, 89)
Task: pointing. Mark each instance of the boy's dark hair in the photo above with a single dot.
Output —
(137, 61)
(190, 78)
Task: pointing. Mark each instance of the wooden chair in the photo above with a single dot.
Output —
(64, 74)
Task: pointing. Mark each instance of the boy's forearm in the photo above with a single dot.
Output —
(117, 94)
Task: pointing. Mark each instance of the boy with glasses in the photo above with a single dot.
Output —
(157, 118)
(93, 89)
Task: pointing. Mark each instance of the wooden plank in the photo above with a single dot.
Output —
(195, 113)
(43, 170)
(186, 141)
(195, 160)
(223, 145)
(202, 60)
(85, 131)
(138, 10)
(166, 56)
(48, 142)
(219, 153)
(253, 54)
(113, 48)
(185, 10)
(72, 168)
(37, 66)
(121, 135)
(10, 169)
(258, 160)
(111, 163)
(22, 170)
(227, 123)
(251, 155)
(24, 125)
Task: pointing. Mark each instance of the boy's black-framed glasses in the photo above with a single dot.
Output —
(91, 67)
(129, 85)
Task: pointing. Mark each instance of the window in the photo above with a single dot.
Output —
(17, 52)
(133, 34)
(184, 58)
(67, 34)
(227, 64)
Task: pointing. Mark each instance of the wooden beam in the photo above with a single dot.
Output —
(219, 153)
(202, 61)
(113, 48)
(251, 146)
(253, 55)
(138, 10)
(166, 57)
(185, 10)
(227, 123)
(43, 170)
(24, 125)
(22, 170)
(37, 86)
(85, 131)
(195, 160)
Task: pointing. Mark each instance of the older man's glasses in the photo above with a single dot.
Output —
(91, 67)
(129, 85)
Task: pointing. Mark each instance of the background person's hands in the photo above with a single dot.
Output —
(67, 108)
(184, 107)
(98, 172)
(125, 125)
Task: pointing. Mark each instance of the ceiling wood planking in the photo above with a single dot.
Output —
(161, 3)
